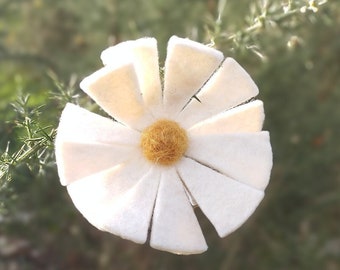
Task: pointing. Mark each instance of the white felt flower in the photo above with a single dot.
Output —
(196, 140)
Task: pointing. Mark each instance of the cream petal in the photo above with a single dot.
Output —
(130, 214)
(119, 53)
(230, 86)
(94, 196)
(116, 90)
(79, 125)
(144, 55)
(244, 118)
(245, 157)
(187, 67)
(78, 160)
(226, 202)
(175, 227)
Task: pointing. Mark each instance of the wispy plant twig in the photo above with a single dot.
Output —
(36, 140)
(264, 16)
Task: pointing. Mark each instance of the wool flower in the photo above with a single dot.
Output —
(192, 138)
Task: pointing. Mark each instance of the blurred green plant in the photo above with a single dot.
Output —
(35, 141)
(265, 18)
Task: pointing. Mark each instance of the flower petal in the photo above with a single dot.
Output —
(245, 157)
(98, 196)
(78, 160)
(144, 55)
(244, 118)
(130, 214)
(187, 67)
(116, 90)
(229, 86)
(175, 227)
(226, 202)
(80, 125)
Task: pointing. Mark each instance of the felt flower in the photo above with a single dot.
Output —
(194, 140)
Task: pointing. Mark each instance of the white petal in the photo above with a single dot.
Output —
(187, 67)
(226, 202)
(144, 55)
(130, 214)
(175, 227)
(95, 196)
(229, 86)
(245, 118)
(116, 90)
(245, 157)
(79, 125)
(119, 53)
(78, 160)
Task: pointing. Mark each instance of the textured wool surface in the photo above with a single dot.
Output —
(164, 142)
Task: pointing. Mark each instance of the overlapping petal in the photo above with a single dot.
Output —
(227, 203)
(116, 89)
(188, 66)
(101, 197)
(79, 125)
(228, 87)
(78, 160)
(175, 227)
(143, 54)
(245, 157)
(88, 143)
(244, 118)
(131, 212)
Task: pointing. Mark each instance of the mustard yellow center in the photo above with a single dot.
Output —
(164, 142)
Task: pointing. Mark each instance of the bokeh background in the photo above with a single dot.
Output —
(290, 48)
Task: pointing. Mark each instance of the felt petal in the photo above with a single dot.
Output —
(175, 227)
(116, 90)
(96, 195)
(78, 160)
(130, 214)
(245, 157)
(144, 55)
(79, 125)
(230, 86)
(226, 202)
(244, 118)
(187, 67)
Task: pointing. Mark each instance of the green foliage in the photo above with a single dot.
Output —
(290, 47)
(35, 141)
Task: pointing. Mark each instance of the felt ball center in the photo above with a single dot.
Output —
(164, 142)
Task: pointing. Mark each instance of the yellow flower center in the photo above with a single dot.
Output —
(164, 142)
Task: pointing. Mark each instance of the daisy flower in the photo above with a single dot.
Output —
(194, 140)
